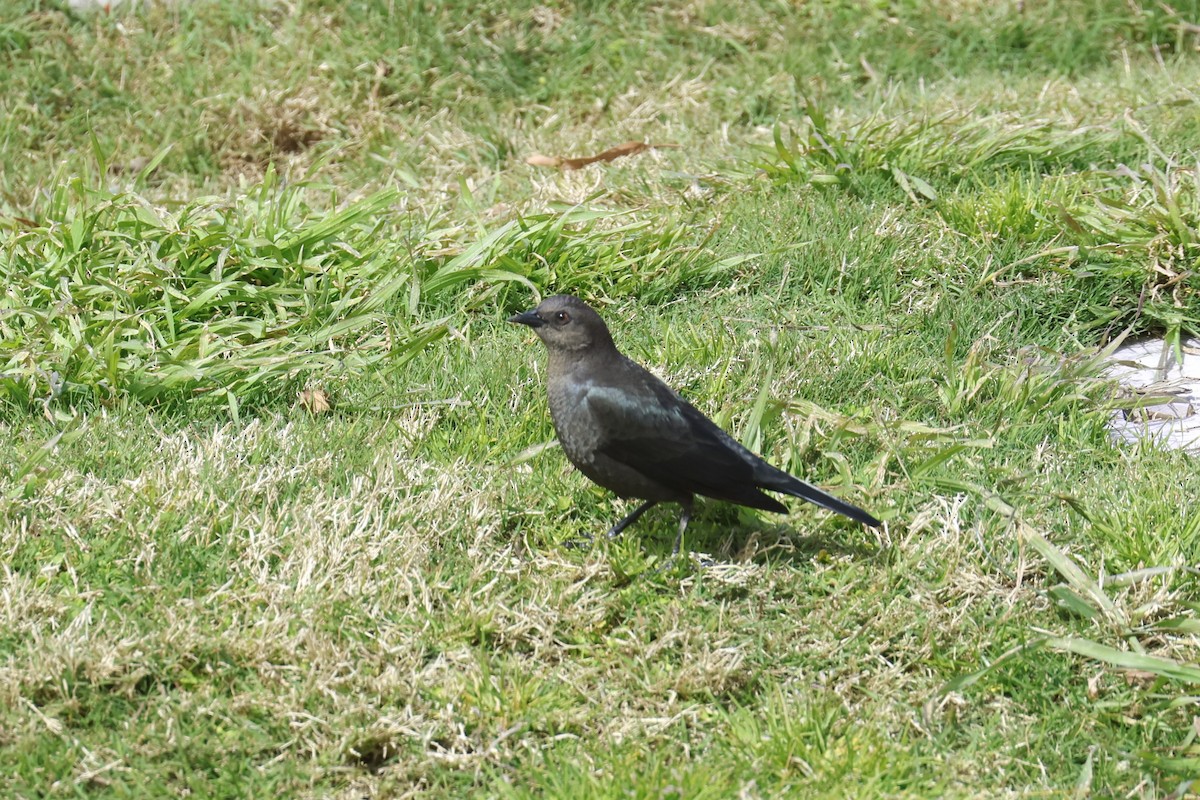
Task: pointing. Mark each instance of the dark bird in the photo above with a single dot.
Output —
(629, 432)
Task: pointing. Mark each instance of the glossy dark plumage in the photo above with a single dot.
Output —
(630, 433)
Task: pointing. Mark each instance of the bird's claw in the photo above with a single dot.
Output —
(584, 541)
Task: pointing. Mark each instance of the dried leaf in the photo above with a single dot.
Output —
(536, 160)
(613, 153)
(315, 401)
(1138, 677)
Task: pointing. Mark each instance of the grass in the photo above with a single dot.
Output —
(889, 252)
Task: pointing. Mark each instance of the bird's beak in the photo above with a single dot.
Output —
(529, 318)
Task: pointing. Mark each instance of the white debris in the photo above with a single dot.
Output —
(1171, 382)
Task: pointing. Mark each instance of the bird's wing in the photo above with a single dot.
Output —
(649, 428)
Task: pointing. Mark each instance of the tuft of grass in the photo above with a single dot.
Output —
(111, 296)
(1139, 234)
(924, 156)
(590, 251)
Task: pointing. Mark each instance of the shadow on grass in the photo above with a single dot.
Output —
(720, 533)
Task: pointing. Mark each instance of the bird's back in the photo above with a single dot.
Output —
(628, 431)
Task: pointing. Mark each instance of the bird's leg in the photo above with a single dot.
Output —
(684, 518)
(586, 538)
(633, 516)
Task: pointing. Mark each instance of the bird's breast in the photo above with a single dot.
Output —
(578, 432)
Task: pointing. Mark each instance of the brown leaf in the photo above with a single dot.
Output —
(315, 401)
(1134, 677)
(611, 154)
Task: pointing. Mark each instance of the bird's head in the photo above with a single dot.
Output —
(566, 323)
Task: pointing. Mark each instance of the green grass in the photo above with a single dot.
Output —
(888, 253)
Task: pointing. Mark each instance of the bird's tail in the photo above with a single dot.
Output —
(789, 484)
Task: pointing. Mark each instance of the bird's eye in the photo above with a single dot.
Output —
(562, 317)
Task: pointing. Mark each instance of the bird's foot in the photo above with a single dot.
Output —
(584, 541)
(697, 562)
(664, 566)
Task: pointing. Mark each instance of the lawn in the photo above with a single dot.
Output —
(283, 513)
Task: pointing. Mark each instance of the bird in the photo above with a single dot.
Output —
(629, 432)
